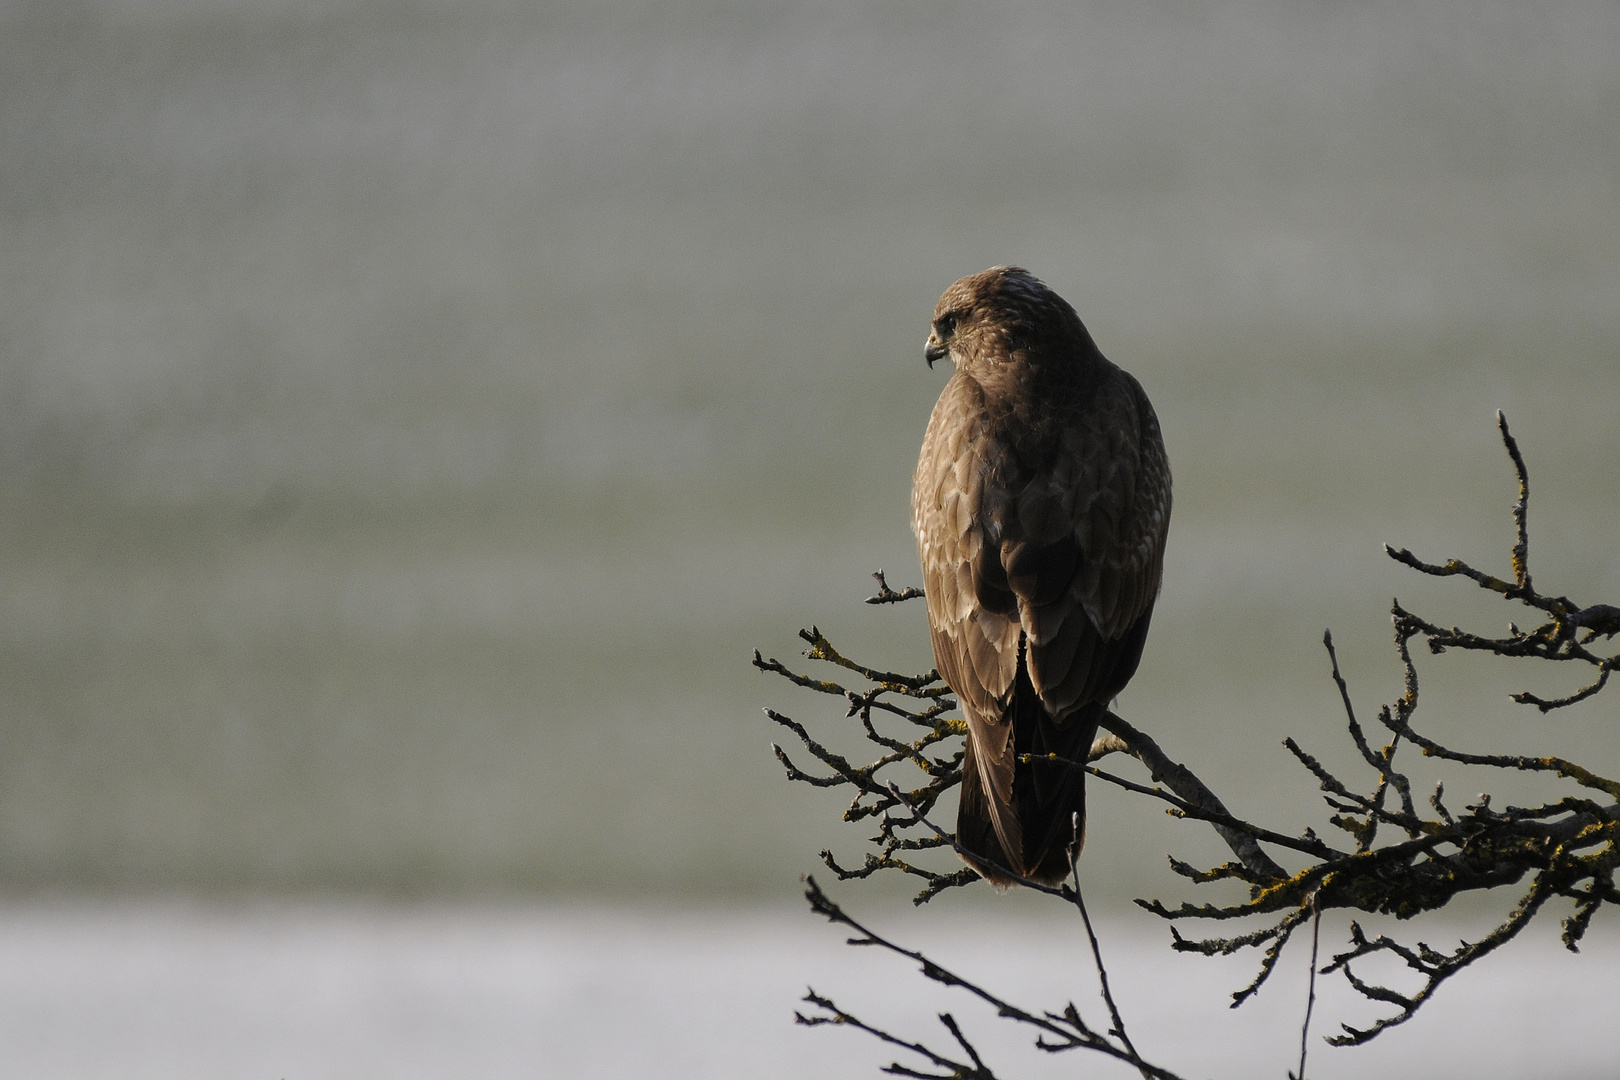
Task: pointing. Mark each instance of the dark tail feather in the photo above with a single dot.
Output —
(974, 829)
(1050, 794)
(1047, 795)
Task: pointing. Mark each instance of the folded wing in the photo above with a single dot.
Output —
(1046, 549)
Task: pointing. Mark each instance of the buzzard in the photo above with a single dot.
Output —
(1040, 503)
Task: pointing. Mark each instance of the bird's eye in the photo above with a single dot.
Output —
(944, 325)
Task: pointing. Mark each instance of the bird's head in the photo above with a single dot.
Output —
(992, 315)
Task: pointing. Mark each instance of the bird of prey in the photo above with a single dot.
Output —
(1040, 503)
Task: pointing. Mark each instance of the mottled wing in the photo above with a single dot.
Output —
(1061, 538)
(1085, 552)
(958, 480)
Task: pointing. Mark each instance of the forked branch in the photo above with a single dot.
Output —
(1398, 859)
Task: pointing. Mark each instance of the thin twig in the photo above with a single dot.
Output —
(1066, 1028)
(1310, 994)
(886, 595)
(1521, 507)
(1220, 819)
(1096, 950)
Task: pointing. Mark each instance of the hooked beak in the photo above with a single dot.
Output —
(934, 350)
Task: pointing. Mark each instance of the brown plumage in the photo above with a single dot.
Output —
(1040, 504)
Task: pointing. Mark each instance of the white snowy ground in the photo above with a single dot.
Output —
(134, 990)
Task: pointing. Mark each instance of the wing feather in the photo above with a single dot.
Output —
(975, 633)
(1119, 503)
(1049, 549)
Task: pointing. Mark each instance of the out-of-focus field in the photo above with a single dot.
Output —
(142, 991)
(411, 417)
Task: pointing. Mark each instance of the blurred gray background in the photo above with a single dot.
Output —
(412, 415)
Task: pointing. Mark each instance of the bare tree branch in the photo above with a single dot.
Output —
(1055, 1031)
(1567, 846)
